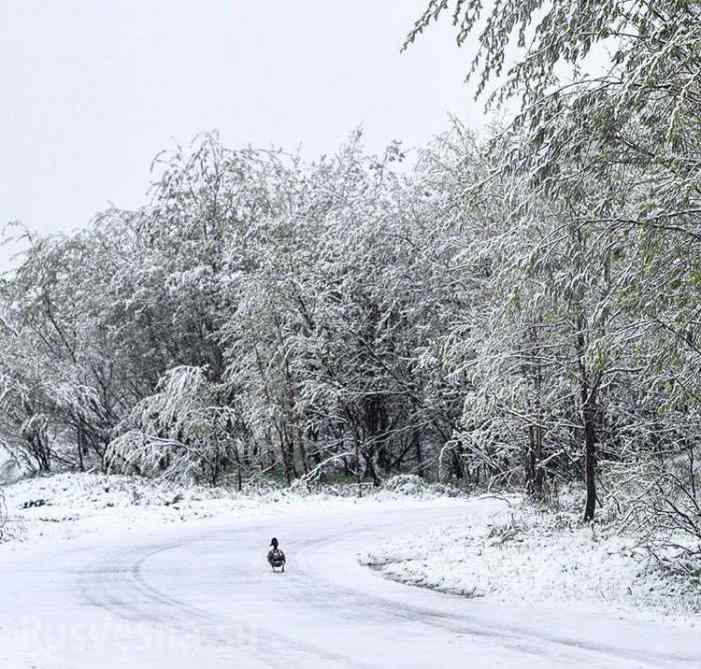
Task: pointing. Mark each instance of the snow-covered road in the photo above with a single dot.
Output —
(201, 595)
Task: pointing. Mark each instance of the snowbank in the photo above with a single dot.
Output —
(64, 506)
(524, 555)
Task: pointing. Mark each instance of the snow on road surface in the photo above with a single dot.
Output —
(201, 595)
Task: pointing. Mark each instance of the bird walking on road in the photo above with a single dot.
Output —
(276, 558)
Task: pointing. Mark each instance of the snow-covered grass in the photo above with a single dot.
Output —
(63, 506)
(67, 505)
(525, 555)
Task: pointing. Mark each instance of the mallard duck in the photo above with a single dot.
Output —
(276, 557)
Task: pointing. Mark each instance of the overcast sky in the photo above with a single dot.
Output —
(92, 90)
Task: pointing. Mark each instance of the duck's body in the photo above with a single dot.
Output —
(276, 558)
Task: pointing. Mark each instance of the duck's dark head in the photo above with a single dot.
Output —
(273, 542)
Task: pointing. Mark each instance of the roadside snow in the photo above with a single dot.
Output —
(509, 554)
(520, 555)
(66, 506)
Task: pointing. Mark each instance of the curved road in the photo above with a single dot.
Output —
(203, 597)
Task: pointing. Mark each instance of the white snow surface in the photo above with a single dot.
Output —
(112, 572)
(523, 555)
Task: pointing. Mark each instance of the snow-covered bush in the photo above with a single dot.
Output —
(413, 485)
(660, 499)
(180, 433)
(406, 484)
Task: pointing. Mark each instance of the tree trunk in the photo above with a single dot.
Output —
(419, 454)
(456, 465)
(534, 454)
(589, 384)
(370, 468)
(589, 417)
(81, 441)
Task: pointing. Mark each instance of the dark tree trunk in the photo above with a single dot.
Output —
(81, 446)
(285, 454)
(370, 469)
(419, 454)
(589, 384)
(534, 453)
(534, 456)
(589, 416)
(457, 465)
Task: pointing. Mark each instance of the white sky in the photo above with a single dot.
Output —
(92, 90)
